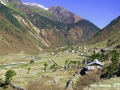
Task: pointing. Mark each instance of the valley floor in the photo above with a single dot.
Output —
(38, 76)
(37, 73)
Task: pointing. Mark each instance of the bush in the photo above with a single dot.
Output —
(31, 61)
(9, 74)
(45, 66)
(53, 66)
(86, 80)
(8, 77)
(98, 56)
(114, 68)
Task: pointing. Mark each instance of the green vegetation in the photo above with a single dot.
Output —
(109, 70)
(46, 23)
(42, 12)
(112, 41)
(45, 66)
(11, 5)
(42, 19)
(115, 56)
(66, 64)
(0, 81)
(114, 68)
(85, 25)
(28, 70)
(8, 13)
(24, 65)
(79, 63)
(109, 36)
(54, 67)
(31, 61)
(99, 56)
(8, 77)
(47, 76)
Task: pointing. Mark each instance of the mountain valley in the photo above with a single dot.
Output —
(55, 49)
(39, 28)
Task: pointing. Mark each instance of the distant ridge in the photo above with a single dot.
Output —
(110, 35)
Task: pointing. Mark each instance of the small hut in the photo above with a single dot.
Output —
(95, 65)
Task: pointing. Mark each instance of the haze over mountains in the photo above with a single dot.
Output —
(32, 27)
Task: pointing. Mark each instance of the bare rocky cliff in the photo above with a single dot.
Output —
(64, 15)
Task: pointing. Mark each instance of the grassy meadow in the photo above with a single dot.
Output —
(59, 76)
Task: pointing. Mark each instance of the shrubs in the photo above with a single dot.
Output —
(66, 64)
(8, 14)
(100, 56)
(31, 61)
(28, 70)
(114, 68)
(8, 77)
(0, 81)
(42, 86)
(86, 80)
(45, 66)
(53, 66)
(111, 70)
(115, 56)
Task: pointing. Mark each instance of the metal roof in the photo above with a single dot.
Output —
(96, 61)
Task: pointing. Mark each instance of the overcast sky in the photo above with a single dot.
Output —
(99, 12)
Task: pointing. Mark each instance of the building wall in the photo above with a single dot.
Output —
(94, 67)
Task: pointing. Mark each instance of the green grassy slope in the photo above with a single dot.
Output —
(109, 36)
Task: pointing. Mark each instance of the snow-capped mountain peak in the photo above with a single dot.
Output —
(35, 4)
(3, 2)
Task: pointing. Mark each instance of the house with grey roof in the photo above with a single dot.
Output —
(95, 65)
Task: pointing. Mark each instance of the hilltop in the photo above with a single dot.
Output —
(108, 36)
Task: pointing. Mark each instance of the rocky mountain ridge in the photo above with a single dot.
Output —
(64, 15)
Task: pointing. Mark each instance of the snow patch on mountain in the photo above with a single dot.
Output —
(3, 2)
(35, 4)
